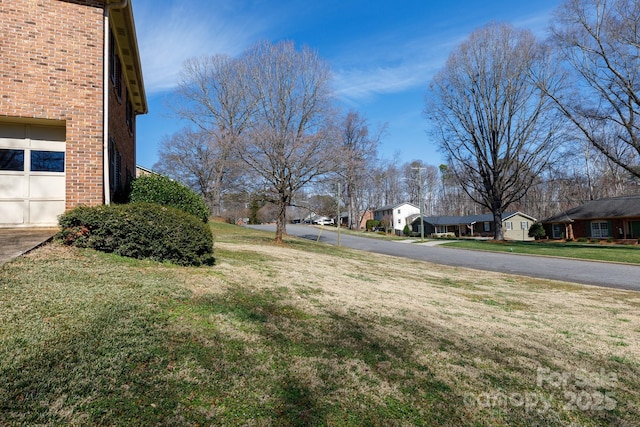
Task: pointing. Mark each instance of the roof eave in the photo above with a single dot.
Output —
(123, 26)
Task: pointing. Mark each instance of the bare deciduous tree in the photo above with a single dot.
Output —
(195, 159)
(290, 142)
(213, 95)
(419, 176)
(358, 155)
(600, 41)
(493, 121)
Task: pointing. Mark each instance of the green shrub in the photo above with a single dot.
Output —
(583, 240)
(140, 230)
(167, 192)
(406, 230)
(537, 231)
(371, 224)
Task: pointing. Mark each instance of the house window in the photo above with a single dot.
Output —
(399, 221)
(115, 170)
(11, 160)
(118, 78)
(47, 161)
(398, 211)
(487, 226)
(508, 225)
(129, 113)
(112, 57)
(115, 67)
(524, 225)
(557, 231)
(600, 229)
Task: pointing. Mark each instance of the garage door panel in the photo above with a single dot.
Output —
(12, 186)
(12, 212)
(45, 212)
(46, 187)
(33, 192)
(47, 145)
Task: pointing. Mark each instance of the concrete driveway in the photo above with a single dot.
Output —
(17, 241)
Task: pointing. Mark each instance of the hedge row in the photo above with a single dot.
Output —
(140, 230)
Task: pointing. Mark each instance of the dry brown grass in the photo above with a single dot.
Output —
(482, 331)
(306, 334)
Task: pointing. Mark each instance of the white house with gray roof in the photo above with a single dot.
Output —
(397, 214)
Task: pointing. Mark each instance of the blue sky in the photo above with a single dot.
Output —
(383, 54)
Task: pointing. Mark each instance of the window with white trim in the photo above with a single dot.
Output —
(600, 229)
(524, 225)
(508, 225)
(487, 226)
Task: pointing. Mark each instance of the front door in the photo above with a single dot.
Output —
(635, 229)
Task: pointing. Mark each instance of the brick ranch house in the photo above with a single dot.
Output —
(71, 88)
(611, 218)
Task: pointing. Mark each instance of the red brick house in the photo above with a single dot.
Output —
(71, 88)
(611, 218)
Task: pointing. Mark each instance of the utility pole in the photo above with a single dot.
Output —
(339, 217)
(420, 169)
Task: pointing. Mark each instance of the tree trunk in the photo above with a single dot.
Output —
(353, 212)
(281, 221)
(497, 224)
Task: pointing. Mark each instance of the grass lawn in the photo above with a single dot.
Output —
(307, 334)
(591, 251)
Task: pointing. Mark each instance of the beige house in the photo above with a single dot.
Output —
(515, 225)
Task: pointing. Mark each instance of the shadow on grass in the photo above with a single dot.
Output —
(248, 356)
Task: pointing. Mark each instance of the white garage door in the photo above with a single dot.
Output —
(32, 174)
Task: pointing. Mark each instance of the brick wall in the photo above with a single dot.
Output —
(51, 68)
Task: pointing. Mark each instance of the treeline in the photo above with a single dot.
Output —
(524, 124)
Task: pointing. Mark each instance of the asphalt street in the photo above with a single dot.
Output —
(612, 275)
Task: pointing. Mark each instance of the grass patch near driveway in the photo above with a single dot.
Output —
(595, 252)
(307, 334)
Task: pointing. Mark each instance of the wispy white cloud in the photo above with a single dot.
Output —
(167, 36)
(361, 84)
(407, 66)
(410, 63)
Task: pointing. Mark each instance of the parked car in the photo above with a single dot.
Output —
(323, 221)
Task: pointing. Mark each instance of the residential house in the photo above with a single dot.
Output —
(611, 218)
(72, 87)
(363, 217)
(142, 171)
(515, 225)
(397, 215)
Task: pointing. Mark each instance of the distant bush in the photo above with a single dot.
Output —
(406, 230)
(583, 240)
(371, 224)
(167, 192)
(537, 231)
(139, 230)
